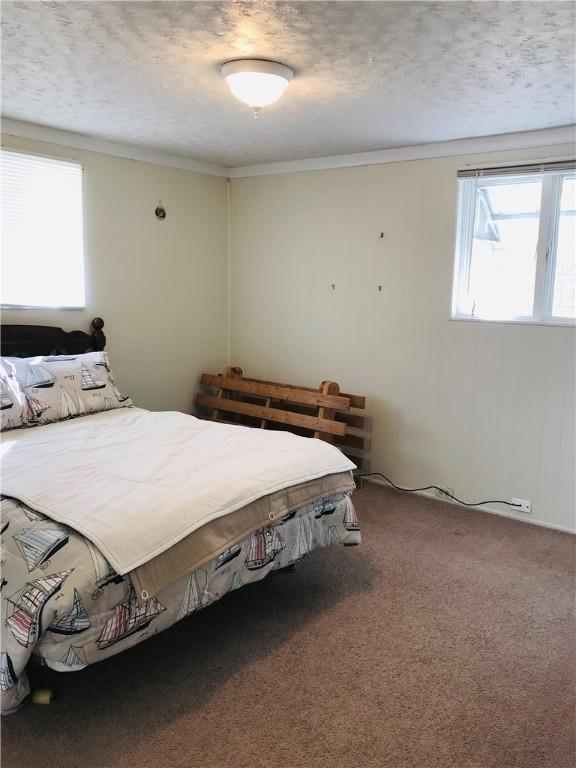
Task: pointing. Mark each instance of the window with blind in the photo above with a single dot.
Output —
(42, 232)
(516, 244)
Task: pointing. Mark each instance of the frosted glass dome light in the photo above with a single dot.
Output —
(256, 82)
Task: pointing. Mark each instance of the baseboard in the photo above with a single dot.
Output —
(490, 510)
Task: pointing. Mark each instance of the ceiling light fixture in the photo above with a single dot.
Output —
(256, 82)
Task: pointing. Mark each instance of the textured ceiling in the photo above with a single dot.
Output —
(370, 75)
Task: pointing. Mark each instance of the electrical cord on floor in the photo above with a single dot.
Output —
(437, 488)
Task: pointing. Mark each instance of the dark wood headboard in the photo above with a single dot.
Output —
(32, 340)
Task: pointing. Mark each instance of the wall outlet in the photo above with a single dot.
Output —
(523, 505)
(444, 493)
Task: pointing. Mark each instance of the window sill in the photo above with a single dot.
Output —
(40, 306)
(557, 323)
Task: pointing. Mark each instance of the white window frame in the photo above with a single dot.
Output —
(549, 220)
(84, 304)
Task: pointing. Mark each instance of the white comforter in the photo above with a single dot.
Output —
(135, 482)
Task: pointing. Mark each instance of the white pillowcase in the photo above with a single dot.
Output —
(61, 387)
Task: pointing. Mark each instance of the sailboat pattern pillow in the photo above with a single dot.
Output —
(13, 403)
(59, 387)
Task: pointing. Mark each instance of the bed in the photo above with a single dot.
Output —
(133, 520)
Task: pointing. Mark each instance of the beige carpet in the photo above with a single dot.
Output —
(444, 640)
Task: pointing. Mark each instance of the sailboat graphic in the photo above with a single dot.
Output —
(331, 536)
(236, 583)
(32, 409)
(39, 377)
(227, 556)
(58, 358)
(196, 594)
(5, 399)
(119, 396)
(129, 617)
(324, 507)
(74, 657)
(265, 543)
(76, 620)
(104, 573)
(69, 408)
(37, 406)
(107, 404)
(89, 381)
(26, 618)
(37, 546)
(8, 677)
(350, 519)
(31, 514)
(303, 543)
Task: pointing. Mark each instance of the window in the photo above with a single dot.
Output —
(42, 232)
(516, 245)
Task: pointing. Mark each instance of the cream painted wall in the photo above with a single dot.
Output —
(485, 408)
(160, 286)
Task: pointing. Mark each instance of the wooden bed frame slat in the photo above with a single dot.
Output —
(356, 401)
(352, 441)
(323, 413)
(352, 420)
(276, 391)
(271, 414)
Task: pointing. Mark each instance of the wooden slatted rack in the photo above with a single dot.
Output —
(324, 413)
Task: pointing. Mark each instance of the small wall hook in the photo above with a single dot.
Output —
(333, 286)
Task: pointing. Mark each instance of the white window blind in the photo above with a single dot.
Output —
(42, 231)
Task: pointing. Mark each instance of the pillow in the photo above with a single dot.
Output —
(60, 387)
(14, 408)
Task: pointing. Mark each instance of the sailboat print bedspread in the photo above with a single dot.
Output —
(63, 602)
